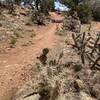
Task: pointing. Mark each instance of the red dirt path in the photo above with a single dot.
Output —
(13, 74)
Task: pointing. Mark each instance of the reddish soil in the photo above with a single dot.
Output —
(13, 72)
(96, 26)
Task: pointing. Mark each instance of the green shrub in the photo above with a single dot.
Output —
(17, 1)
(13, 40)
(17, 34)
(84, 13)
(96, 10)
(32, 35)
(51, 5)
(72, 4)
(77, 67)
(82, 7)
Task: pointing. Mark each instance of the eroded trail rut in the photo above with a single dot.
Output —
(13, 72)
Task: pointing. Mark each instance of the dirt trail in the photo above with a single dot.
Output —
(12, 71)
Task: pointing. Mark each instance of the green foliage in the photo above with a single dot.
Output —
(82, 7)
(13, 40)
(17, 34)
(45, 5)
(96, 10)
(71, 3)
(77, 67)
(51, 4)
(32, 35)
(17, 1)
(84, 13)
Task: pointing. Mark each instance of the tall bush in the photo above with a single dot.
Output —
(18, 1)
(84, 13)
(82, 8)
(51, 4)
(72, 4)
(47, 5)
(96, 10)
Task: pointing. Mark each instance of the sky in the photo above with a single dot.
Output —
(60, 7)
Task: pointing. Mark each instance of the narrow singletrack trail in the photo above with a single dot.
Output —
(13, 72)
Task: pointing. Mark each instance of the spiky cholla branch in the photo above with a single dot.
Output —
(82, 42)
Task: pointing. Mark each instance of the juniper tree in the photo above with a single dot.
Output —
(45, 5)
(82, 7)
